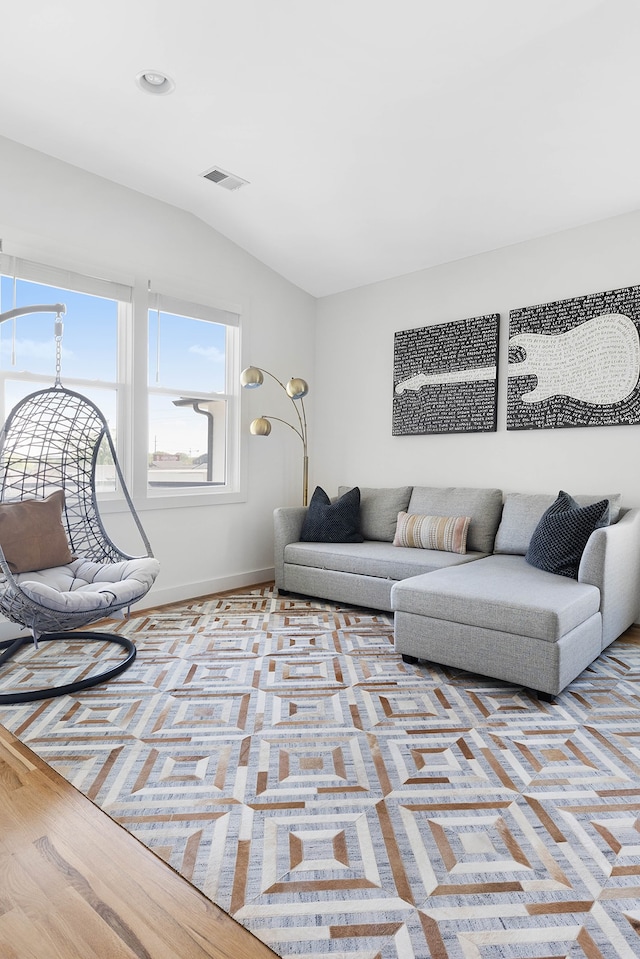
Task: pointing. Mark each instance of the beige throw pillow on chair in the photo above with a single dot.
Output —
(32, 536)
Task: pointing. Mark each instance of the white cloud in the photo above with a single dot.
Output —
(209, 352)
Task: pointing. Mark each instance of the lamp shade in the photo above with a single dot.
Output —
(297, 388)
(251, 378)
(260, 427)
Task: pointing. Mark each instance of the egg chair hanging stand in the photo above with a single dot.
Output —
(50, 442)
(12, 646)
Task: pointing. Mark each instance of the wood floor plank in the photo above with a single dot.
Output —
(75, 885)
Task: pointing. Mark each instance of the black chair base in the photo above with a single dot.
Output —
(11, 646)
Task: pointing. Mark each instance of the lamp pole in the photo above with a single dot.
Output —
(296, 389)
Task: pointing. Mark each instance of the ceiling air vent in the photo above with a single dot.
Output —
(227, 180)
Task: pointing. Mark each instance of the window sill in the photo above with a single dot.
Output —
(178, 500)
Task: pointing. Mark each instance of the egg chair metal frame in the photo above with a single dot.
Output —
(52, 440)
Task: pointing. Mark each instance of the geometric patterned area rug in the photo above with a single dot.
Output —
(278, 753)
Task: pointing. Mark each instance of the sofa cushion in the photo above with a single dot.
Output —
(379, 510)
(448, 533)
(523, 511)
(327, 522)
(373, 558)
(482, 505)
(558, 541)
(501, 593)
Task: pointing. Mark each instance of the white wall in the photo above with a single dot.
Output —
(55, 213)
(342, 344)
(354, 340)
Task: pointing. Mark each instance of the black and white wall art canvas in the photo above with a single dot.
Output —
(575, 362)
(445, 377)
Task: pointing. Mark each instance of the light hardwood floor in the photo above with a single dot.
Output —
(75, 885)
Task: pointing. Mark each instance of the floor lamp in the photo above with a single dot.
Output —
(296, 389)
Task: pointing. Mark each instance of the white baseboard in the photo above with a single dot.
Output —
(175, 594)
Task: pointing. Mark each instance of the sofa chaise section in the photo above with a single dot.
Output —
(500, 618)
(504, 618)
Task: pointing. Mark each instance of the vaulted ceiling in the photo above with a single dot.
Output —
(376, 138)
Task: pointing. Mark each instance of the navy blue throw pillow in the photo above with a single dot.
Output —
(559, 539)
(327, 522)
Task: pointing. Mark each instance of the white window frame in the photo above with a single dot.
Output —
(230, 492)
(46, 275)
(132, 387)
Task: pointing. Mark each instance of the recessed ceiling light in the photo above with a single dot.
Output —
(156, 82)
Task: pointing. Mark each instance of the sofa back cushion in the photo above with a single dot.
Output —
(522, 512)
(379, 508)
(482, 505)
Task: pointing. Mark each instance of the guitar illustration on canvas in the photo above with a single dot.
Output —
(597, 362)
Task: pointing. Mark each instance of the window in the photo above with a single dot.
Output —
(165, 394)
(89, 356)
(190, 356)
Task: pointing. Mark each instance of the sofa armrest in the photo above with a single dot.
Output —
(287, 525)
(611, 561)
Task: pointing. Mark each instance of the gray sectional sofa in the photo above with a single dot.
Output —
(486, 610)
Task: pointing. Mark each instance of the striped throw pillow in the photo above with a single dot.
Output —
(446, 533)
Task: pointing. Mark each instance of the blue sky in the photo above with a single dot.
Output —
(89, 344)
(192, 353)
(191, 357)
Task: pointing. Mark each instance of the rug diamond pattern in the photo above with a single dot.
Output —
(278, 753)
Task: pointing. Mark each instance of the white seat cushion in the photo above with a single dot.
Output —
(83, 586)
